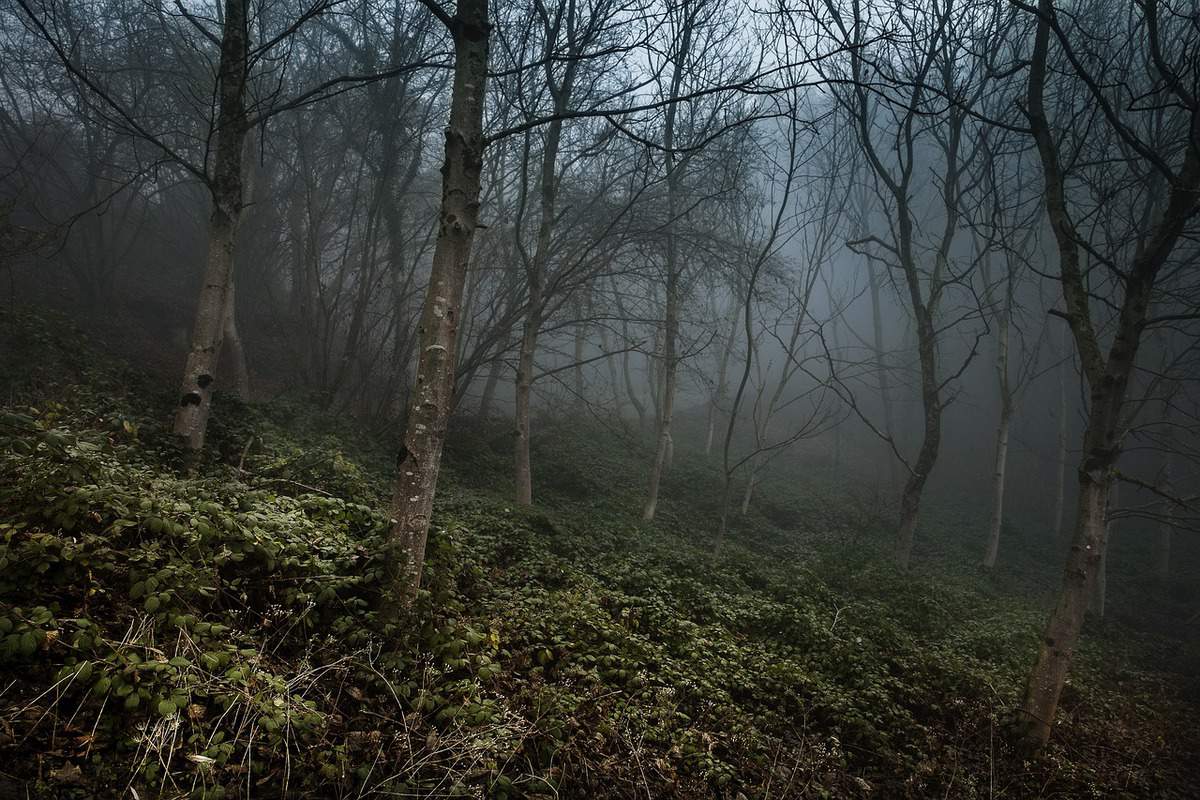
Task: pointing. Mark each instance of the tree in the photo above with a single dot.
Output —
(437, 344)
(1152, 154)
(214, 309)
(889, 87)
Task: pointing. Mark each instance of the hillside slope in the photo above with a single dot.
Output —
(212, 635)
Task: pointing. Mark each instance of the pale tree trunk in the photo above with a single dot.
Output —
(235, 352)
(998, 475)
(654, 377)
(751, 482)
(212, 309)
(665, 450)
(431, 396)
(667, 400)
(1000, 470)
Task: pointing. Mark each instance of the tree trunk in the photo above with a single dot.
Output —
(1060, 491)
(523, 468)
(613, 381)
(667, 403)
(489, 388)
(1099, 599)
(882, 376)
(212, 309)
(751, 481)
(421, 453)
(1108, 377)
(718, 394)
(233, 346)
(580, 343)
(1058, 642)
(1004, 320)
(665, 451)
(998, 475)
(634, 400)
(910, 499)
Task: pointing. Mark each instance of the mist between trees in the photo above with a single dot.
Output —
(946, 249)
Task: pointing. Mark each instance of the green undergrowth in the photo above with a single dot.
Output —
(212, 634)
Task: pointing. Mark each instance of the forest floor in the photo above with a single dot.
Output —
(212, 635)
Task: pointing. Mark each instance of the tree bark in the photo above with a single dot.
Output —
(233, 347)
(667, 402)
(910, 499)
(524, 396)
(1003, 322)
(1099, 599)
(1060, 491)
(998, 475)
(212, 309)
(421, 453)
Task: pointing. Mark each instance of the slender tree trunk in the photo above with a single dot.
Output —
(718, 395)
(665, 451)
(536, 271)
(1099, 599)
(233, 346)
(667, 402)
(998, 479)
(751, 482)
(1004, 320)
(634, 400)
(524, 396)
(613, 381)
(1054, 656)
(996, 522)
(489, 388)
(212, 309)
(910, 499)
(581, 328)
(1060, 490)
(421, 453)
(883, 377)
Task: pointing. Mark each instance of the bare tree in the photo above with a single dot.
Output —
(1157, 150)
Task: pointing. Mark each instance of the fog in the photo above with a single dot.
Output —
(940, 257)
